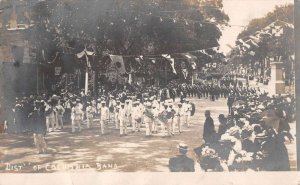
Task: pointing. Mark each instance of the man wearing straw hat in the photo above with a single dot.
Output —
(182, 163)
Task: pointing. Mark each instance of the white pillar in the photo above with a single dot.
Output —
(86, 82)
(276, 84)
(130, 78)
(193, 75)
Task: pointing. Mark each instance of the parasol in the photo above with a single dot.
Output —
(238, 103)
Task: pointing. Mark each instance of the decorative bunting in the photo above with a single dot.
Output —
(172, 60)
(86, 54)
(191, 60)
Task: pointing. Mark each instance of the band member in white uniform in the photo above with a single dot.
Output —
(77, 116)
(50, 116)
(136, 116)
(179, 117)
(188, 111)
(104, 114)
(123, 123)
(148, 119)
(59, 115)
(116, 110)
(90, 111)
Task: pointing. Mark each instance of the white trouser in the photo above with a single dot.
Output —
(154, 125)
(117, 122)
(40, 142)
(60, 123)
(136, 124)
(187, 119)
(123, 127)
(89, 122)
(76, 123)
(168, 126)
(50, 121)
(173, 126)
(102, 125)
(148, 125)
(179, 123)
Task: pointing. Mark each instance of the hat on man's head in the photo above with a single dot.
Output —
(103, 102)
(148, 104)
(182, 146)
(221, 116)
(207, 112)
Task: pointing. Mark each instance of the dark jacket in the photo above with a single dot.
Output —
(38, 120)
(209, 129)
(181, 163)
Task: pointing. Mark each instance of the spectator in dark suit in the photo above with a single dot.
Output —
(182, 163)
(230, 101)
(223, 125)
(209, 132)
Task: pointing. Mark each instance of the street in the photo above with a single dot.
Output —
(87, 151)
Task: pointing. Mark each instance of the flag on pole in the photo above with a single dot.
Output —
(279, 32)
(118, 63)
(172, 60)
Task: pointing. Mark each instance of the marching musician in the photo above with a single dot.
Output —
(148, 119)
(104, 115)
(123, 123)
(77, 116)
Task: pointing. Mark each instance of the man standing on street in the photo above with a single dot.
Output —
(104, 114)
(209, 132)
(230, 101)
(123, 124)
(59, 114)
(77, 116)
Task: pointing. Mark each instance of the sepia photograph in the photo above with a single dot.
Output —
(147, 86)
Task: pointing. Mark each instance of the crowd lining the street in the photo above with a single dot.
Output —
(251, 137)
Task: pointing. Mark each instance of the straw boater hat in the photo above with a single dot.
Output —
(182, 146)
(148, 104)
(103, 102)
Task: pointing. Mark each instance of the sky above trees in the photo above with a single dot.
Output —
(241, 12)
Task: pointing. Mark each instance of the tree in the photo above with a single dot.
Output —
(130, 27)
(282, 45)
